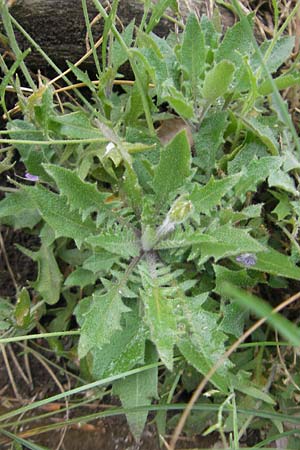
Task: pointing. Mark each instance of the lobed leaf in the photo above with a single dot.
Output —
(53, 208)
(101, 320)
(81, 195)
(230, 241)
(122, 242)
(205, 198)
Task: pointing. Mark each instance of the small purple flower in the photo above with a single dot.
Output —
(247, 259)
(31, 177)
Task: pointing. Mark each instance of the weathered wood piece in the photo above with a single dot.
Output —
(58, 26)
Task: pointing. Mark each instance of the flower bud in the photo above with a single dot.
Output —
(180, 210)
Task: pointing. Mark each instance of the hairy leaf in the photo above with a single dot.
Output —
(122, 242)
(80, 277)
(125, 351)
(230, 241)
(173, 168)
(81, 195)
(208, 140)
(193, 51)
(276, 263)
(193, 354)
(101, 320)
(100, 261)
(160, 312)
(217, 80)
(22, 309)
(264, 132)
(49, 279)
(53, 208)
(138, 390)
(75, 126)
(256, 172)
(205, 198)
(15, 203)
(236, 43)
(177, 100)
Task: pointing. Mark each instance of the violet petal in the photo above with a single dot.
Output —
(247, 259)
(31, 177)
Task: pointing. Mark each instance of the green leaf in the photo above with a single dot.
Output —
(284, 181)
(236, 43)
(15, 203)
(217, 80)
(156, 65)
(229, 215)
(233, 321)
(173, 169)
(205, 198)
(100, 261)
(157, 12)
(260, 307)
(281, 82)
(177, 100)
(49, 279)
(203, 344)
(81, 195)
(280, 53)
(118, 56)
(42, 106)
(243, 155)
(161, 320)
(239, 278)
(7, 163)
(101, 320)
(82, 76)
(252, 391)
(131, 188)
(208, 140)
(284, 207)
(33, 156)
(276, 263)
(80, 277)
(22, 309)
(122, 242)
(193, 52)
(193, 354)
(160, 313)
(6, 314)
(56, 213)
(182, 239)
(264, 133)
(75, 126)
(125, 350)
(230, 241)
(256, 172)
(137, 390)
